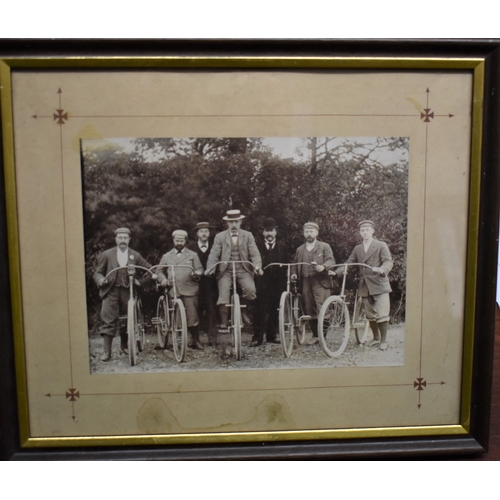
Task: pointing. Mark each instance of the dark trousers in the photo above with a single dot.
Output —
(207, 309)
(114, 305)
(265, 318)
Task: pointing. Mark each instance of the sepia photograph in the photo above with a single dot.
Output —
(245, 253)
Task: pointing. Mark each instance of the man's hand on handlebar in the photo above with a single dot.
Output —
(195, 276)
(259, 271)
(102, 282)
(293, 278)
(378, 270)
(165, 282)
(318, 267)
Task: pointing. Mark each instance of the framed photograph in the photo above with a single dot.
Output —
(246, 250)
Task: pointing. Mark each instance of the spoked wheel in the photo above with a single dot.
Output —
(300, 324)
(236, 324)
(360, 323)
(333, 326)
(286, 321)
(140, 326)
(131, 328)
(162, 322)
(179, 331)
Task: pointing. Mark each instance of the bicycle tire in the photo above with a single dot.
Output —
(359, 322)
(162, 323)
(300, 326)
(236, 324)
(286, 321)
(334, 326)
(140, 326)
(131, 320)
(179, 330)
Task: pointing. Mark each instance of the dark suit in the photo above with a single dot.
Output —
(270, 286)
(207, 297)
(115, 293)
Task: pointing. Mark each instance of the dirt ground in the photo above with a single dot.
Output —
(266, 356)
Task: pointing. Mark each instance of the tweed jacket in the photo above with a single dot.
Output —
(186, 286)
(108, 260)
(221, 251)
(378, 255)
(323, 255)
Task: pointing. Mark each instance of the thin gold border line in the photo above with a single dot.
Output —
(246, 437)
(254, 62)
(6, 115)
(472, 245)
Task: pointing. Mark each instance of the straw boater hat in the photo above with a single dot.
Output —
(232, 215)
(122, 230)
(311, 224)
(366, 223)
(179, 233)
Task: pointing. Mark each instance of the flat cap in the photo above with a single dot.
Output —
(179, 233)
(367, 223)
(122, 230)
(311, 225)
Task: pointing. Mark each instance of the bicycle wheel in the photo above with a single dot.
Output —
(162, 322)
(140, 326)
(359, 322)
(333, 326)
(286, 323)
(300, 324)
(236, 324)
(179, 331)
(131, 322)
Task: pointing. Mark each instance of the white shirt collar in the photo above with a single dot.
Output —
(122, 256)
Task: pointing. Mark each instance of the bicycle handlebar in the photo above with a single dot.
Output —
(351, 264)
(288, 264)
(131, 266)
(231, 262)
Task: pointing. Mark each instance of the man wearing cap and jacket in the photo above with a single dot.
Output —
(114, 290)
(234, 244)
(374, 285)
(314, 282)
(270, 286)
(186, 281)
(207, 297)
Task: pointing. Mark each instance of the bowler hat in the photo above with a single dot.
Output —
(269, 224)
(232, 215)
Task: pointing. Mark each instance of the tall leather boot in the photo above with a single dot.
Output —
(223, 312)
(124, 342)
(383, 335)
(195, 334)
(106, 353)
(376, 334)
(245, 312)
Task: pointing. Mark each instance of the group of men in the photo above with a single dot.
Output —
(206, 299)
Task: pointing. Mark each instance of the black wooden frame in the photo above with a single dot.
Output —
(476, 441)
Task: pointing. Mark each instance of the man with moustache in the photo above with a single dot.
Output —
(314, 282)
(234, 244)
(114, 291)
(186, 281)
(207, 297)
(374, 286)
(270, 286)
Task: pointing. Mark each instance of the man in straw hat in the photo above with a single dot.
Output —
(374, 285)
(114, 291)
(314, 282)
(207, 297)
(234, 244)
(186, 281)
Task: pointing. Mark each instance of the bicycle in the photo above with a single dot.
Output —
(171, 317)
(136, 329)
(334, 324)
(235, 323)
(292, 321)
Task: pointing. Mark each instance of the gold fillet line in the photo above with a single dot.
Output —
(205, 438)
(13, 246)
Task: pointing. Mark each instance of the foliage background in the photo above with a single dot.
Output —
(153, 186)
